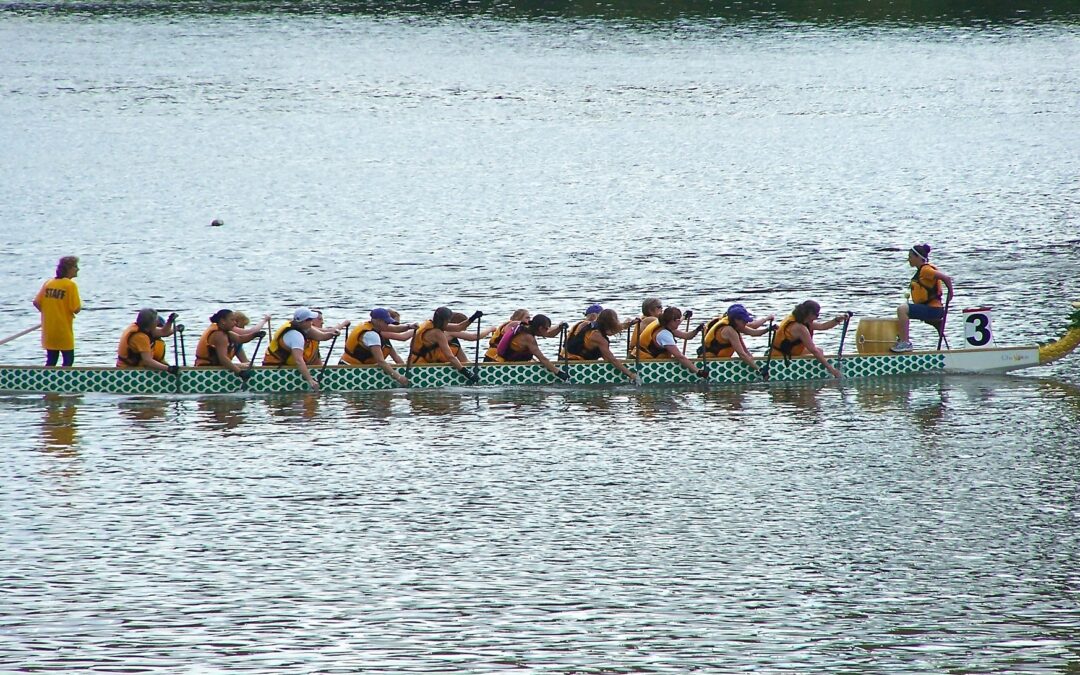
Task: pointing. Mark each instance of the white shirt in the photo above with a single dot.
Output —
(371, 339)
(292, 339)
(664, 338)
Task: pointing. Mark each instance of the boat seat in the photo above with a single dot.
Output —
(939, 326)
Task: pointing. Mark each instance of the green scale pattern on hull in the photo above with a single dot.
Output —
(368, 378)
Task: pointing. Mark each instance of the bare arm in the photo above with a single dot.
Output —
(732, 336)
(219, 342)
(673, 350)
(298, 357)
(947, 280)
(801, 332)
(377, 352)
(605, 353)
(148, 361)
(444, 347)
(534, 349)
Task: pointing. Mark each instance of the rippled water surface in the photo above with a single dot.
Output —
(916, 525)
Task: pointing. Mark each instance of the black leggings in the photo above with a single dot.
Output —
(53, 355)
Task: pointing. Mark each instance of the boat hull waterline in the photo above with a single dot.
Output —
(211, 380)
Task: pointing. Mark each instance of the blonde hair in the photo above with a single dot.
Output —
(241, 319)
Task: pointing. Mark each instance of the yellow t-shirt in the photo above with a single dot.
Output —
(59, 301)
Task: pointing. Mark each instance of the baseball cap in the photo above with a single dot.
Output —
(594, 309)
(303, 314)
(382, 315)
(739, 312)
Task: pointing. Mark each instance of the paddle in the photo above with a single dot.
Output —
(840, 352)
(637, 357)
(318, 380)
(476, 353)
(176, 356)
(183, 348)
(689, 313)
(251, 364)
(563, 354)
(768, 357)
(21, 333)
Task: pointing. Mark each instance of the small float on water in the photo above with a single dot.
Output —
(872, 360)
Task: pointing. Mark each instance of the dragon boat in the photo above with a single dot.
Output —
(869, 362)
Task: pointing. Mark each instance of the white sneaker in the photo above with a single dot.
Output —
(901, 346)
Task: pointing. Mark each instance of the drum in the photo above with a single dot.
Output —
(875, 336)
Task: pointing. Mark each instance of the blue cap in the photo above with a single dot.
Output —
(594, 309)
(382, 315)
(739, 312)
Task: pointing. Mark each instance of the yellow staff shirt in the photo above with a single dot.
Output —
(59, 301)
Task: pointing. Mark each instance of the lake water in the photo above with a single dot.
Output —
(364, 159)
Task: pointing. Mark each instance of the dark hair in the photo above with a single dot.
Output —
(805, 309)
(65, 265)
(441, 317)
(671, 313)
(539, 323)
(221, 315)
(608, 322)
(922, 250)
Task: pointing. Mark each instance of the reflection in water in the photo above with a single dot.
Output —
(221, 413)
(144, 409)
(435, 403)
(59, 431)
(803, 397)
(373, 406)
(290, 406)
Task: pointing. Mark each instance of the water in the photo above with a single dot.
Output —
(410, 160)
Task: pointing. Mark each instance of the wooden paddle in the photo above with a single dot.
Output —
(689, 313)
(318, 380)
(21, 333)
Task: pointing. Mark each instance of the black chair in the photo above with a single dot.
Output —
(939, 326)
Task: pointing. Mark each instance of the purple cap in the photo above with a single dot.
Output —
(739, 312)
(594, 309)
(382, 315)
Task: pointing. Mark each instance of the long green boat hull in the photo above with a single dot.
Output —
(37, 379)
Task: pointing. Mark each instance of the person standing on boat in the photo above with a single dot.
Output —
(651, 309)
(657, 340)
(370, 344)
(296, 343)
(518, 344)
(219, 344)
(795, 335)
(59, 302)
(723, 335)
(592, 342)
(139, 344)
(925, 296)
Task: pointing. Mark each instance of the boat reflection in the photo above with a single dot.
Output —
(59, 430)
(144, 409)
(221, 413)
(294, 406)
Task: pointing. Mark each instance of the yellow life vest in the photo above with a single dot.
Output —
(492, 352)
(784, 344)
(205, 354)
(356, 352)
(277, 355)
(631, 347)
(646, 344)
(714, 343)
(925, 292)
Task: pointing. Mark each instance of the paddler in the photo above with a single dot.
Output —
(296, 343)
(651, 309)
(141, 345)
(795, 335)
(491, 354)
(925, 297)
(431, 343)
(592, 342)
(219, 344)
(58, 301)
(370, 343)
(657, 340)
(723, 335)
(518, 344)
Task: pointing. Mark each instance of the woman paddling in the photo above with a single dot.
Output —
(518, 344)
(431, 343)
(651, 309)
(592, 342)
(795, 335)
(723, 335)
(370, 344)
(925, 296)
(219, 345)
(657, 340)
(139, 343)
(296, 343)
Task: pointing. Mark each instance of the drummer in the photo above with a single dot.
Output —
(795, 335)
